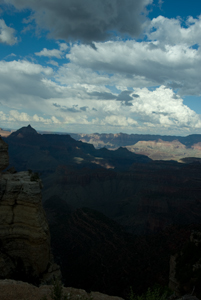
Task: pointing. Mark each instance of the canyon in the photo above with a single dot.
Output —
(107, 206)
(156, 147)
(143, 195)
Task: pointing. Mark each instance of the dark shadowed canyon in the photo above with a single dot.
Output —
(115, 216)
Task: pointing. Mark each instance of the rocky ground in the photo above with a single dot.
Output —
(18, 290)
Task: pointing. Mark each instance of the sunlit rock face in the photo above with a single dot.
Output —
(24, 231)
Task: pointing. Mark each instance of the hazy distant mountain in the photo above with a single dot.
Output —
(44, 152)
(122, 139)
(4, 133)
(155, 146)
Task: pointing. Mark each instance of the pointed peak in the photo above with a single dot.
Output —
(24, 131)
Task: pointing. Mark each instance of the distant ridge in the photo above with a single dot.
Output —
(45, 152)
(113, 141)
(24, 131)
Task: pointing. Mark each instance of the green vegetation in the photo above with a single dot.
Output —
(57, 291)
(58, 294)
(156, 293)
(35, 177)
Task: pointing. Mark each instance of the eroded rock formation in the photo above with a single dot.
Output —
(24, 231)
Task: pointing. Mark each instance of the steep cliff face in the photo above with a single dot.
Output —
(24, 231)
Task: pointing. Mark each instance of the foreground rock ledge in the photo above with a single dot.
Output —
(18, 290)
(24, 231)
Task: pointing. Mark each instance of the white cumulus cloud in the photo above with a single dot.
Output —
(7, 34)
(50, 53)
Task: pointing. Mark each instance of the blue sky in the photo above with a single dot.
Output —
(101, 65)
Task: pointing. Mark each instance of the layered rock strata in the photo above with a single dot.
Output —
(24, 231)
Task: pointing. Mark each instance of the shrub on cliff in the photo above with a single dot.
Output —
(58, 294)
(156, 293)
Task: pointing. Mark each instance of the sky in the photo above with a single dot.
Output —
(103, 66)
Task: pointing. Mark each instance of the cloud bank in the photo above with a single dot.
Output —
(87, 20)
(170, 57)
(121, 84)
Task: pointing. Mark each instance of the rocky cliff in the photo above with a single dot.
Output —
(24, 232)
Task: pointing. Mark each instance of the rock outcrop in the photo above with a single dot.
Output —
(24, 232)
(17, 290)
